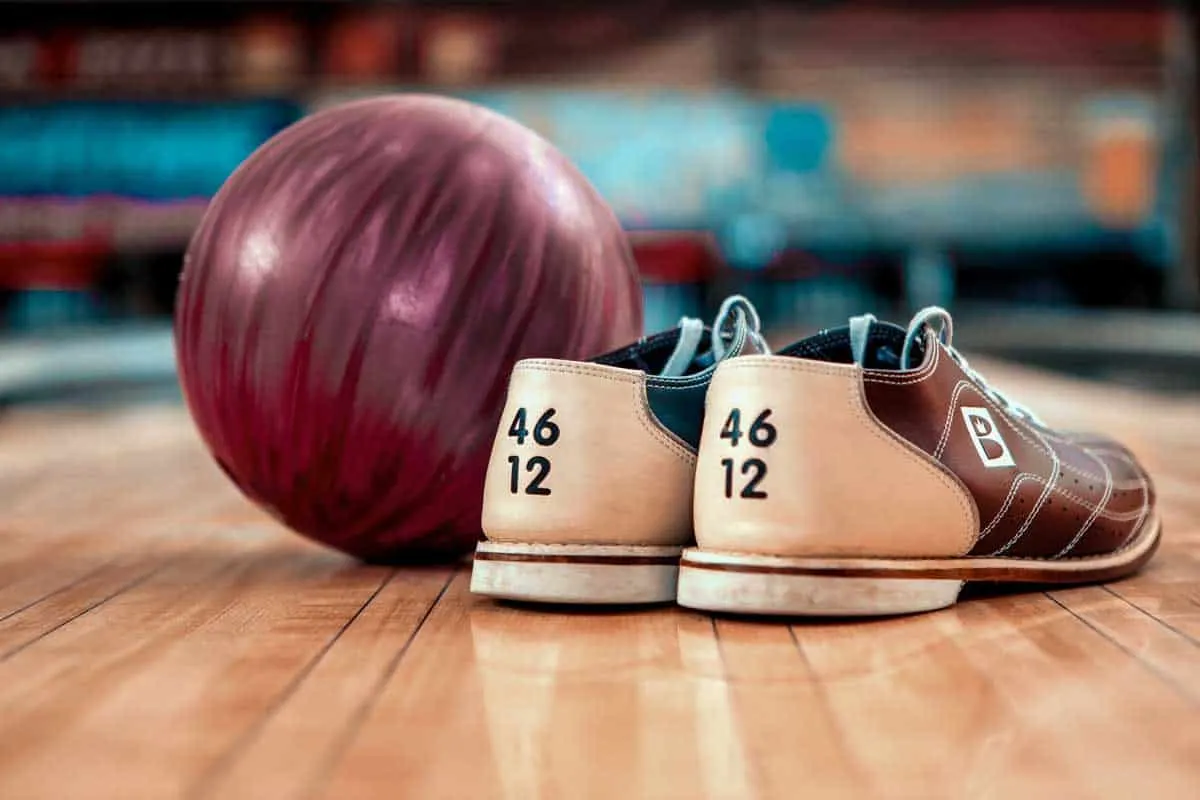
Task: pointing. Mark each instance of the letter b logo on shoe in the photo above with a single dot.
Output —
(993, 452)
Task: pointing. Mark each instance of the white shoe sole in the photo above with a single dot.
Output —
(576, 574)
(774, 585)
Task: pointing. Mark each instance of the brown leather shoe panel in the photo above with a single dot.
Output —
(1089, 464)
(994, 487)
(925, 407)
(1068, 524)
(1055, 526)
(1105, 536)
(1101, 496)
(1003, 530)
(1040, 493)
(912, 404)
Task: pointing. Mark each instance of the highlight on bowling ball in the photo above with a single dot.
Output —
(356, 296)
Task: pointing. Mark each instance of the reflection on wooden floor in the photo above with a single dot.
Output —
(159, 638)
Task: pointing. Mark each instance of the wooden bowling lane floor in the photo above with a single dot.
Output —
(160, 639)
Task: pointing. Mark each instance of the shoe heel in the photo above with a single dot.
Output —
(576, 574)
(769, 585)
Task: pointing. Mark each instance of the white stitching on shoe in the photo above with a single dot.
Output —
(919, 375)
(945, 438)
(1087, 524)
(1141, 520)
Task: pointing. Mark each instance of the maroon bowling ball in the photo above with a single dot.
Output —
(354, 300)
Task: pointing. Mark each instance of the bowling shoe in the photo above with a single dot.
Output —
(588, 495)
(868, 470)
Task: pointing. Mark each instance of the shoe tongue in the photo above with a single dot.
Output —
(860, 330)
(691, 336)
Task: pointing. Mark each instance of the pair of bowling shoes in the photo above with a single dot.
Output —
(865, 470)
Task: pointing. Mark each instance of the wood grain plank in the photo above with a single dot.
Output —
(767, 671)
(499, 701)
(101, 569)
(1169, 589)
(27, 626)
(1166, 652)
(724, 767)
(1000, 698)
(22, 588)
(914, 715)
(196, 654)
(318, 715)
(1115, 729)
(426, 734)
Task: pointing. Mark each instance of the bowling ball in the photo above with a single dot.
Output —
(355, 297)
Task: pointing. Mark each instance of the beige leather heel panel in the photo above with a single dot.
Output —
(837, 483)
(614, 476)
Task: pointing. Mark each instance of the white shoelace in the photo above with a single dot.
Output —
(940, 316)
(741, 314)
(736, 313)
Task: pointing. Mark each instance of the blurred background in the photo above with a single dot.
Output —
(1030, 166)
